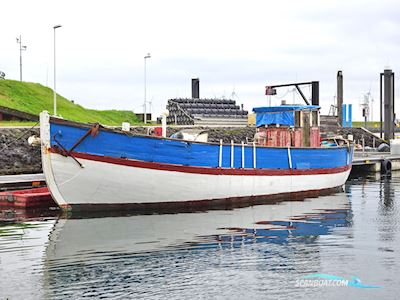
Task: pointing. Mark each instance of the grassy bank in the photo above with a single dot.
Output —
(374, 124)
(17, 123)
(34, 98)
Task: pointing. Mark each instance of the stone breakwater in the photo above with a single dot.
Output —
(16, 155)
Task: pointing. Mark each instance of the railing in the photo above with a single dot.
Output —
(333, 109)
(243, 157)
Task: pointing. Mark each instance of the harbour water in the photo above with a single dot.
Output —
(259, 252)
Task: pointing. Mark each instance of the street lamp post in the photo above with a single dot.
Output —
(55, 93)
(21, 48)
(145, 87)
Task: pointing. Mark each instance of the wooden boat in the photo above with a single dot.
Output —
(89, 167)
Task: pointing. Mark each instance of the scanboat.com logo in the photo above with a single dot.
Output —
(318, 280)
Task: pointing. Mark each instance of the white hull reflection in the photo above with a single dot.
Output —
(80, 239)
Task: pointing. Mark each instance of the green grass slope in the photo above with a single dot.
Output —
(34, 98)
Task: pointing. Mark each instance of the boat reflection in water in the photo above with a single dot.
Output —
(123, 256)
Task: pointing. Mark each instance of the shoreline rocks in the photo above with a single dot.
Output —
(16, 155)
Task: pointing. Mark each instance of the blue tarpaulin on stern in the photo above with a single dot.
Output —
(282, 115)
(282, 118)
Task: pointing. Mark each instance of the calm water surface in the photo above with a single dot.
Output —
(257, 252)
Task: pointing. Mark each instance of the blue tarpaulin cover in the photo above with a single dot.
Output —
(282, 115)
(281, 118)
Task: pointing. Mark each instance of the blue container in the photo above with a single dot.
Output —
(344, 115)
(350, 117)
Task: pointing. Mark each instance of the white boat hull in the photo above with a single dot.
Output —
(100, 183)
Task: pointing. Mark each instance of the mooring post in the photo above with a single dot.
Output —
(380, 106)
(388, 104)
(339, 96)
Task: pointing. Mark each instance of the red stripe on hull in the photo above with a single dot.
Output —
(205, 170)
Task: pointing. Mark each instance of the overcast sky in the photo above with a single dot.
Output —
(234, 47)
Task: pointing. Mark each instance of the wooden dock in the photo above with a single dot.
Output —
(375, 162)
(22, 181)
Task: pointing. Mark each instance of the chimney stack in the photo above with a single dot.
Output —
(196, 88)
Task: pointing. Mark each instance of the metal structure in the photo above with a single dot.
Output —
(195, 88)
(55, 93)
(387, 114)
(271, 90)
(21, 48)
(145, 88)
(339, 96)
(367, 105)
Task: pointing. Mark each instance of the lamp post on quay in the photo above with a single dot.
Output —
(21, 48)
(145, 89)
(55, 93)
